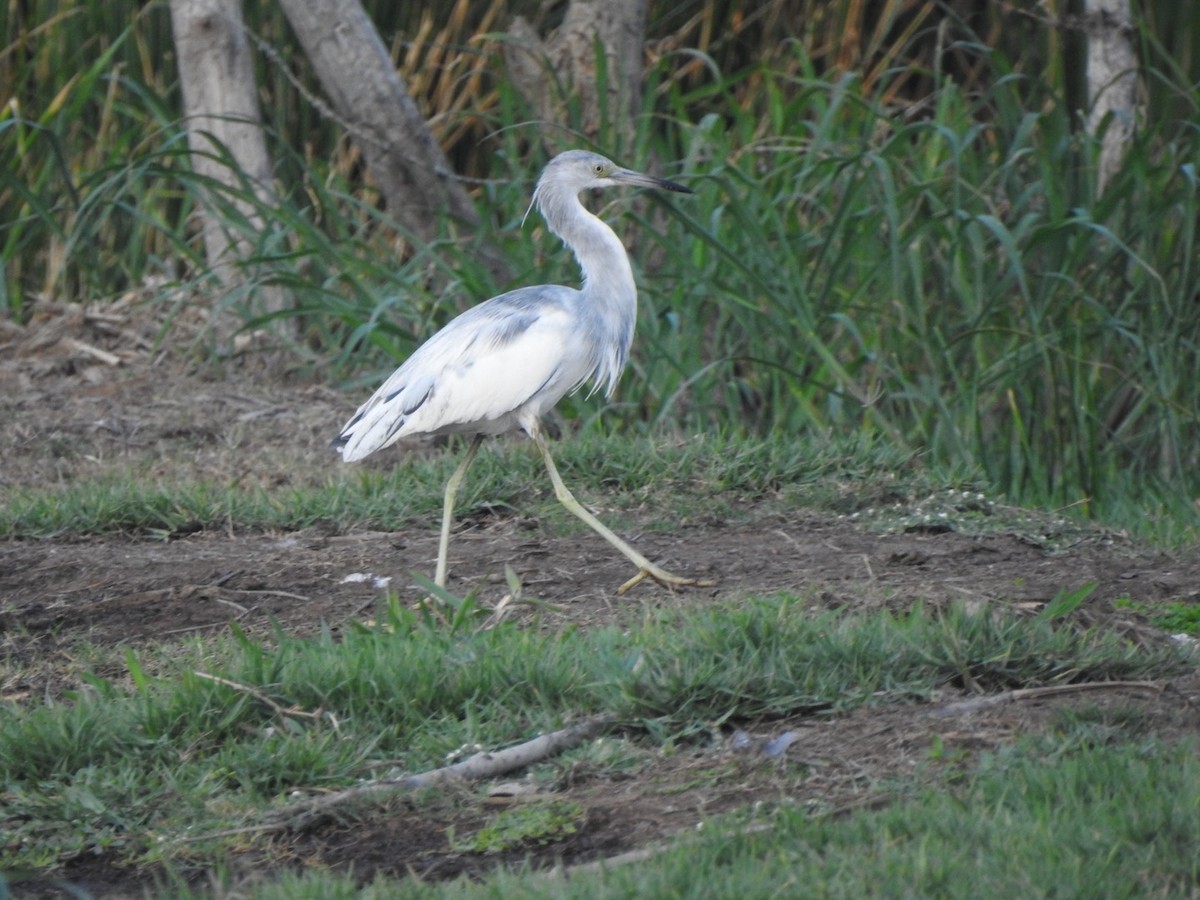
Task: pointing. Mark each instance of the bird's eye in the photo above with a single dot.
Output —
(598, 168)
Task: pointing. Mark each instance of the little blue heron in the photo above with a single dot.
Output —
(503, 364)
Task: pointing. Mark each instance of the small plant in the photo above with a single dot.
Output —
(533, 824)
(1096, 725)
(1065, 602)
(1176, 617)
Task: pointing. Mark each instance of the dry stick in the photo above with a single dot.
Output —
(481, 765)
(268, 593)
(278, 709)
(974, 705)
(109, 359)
(487, 764)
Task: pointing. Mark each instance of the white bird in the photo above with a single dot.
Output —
(505, 363)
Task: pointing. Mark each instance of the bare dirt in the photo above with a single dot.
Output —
(85, 394)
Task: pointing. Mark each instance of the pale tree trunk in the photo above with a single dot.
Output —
(370, 98)
(1112, 82)
(594, 58)
(216, 73)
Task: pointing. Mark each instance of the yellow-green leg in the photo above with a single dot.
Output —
(646, 569)
(452, 486)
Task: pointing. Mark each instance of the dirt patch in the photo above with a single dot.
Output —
(84, 397)
(119, 589)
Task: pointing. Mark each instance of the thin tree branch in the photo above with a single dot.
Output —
(976, 704)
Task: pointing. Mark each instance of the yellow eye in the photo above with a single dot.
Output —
(599, 169)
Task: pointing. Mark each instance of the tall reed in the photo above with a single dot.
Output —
(937, 271)
(953, 282)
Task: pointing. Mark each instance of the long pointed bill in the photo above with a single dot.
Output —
(628, 176)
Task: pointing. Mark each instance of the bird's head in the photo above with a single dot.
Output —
(571, 173)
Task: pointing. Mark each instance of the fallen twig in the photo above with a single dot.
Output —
(109, 359)
(268, 593)
(487, 764)
(279, 710)
(481, 765)
(975, 704)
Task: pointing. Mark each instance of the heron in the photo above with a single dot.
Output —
(503, 364)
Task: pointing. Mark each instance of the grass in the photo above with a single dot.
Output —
(533, 824)
(705, 477)
(1093, 822)
(1178, 617)
(701, 479)
(696, 475)
(1112, 821)
(128, 760)
(948, 281)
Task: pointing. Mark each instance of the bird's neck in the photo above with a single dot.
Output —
(607, 276)
(608, 300)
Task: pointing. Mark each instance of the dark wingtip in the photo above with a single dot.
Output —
(347, 432)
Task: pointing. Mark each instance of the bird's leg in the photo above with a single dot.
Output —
(646, 569)
(452, 486)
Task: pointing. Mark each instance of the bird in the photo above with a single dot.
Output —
(503, 364)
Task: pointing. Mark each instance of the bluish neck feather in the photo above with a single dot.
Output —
(608, 299)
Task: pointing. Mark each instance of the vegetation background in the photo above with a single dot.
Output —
(896, 234)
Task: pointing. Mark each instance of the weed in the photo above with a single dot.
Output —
(99, 767)
(1176, 616)
(529, 824)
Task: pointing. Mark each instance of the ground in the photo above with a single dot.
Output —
(87, 392)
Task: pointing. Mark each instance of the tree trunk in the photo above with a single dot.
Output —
(220, 102)
(358, 75)
(1112, 82)
(595, 58)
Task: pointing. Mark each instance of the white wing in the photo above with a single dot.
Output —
(491, 369)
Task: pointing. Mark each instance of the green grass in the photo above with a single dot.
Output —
(530, 825)
(698, 478)
(1035, 820)
(1178, 617)
(132, 765)
(1091, 822)
(948, 282)
(691, 477)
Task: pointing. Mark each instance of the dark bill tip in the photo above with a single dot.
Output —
(672, 186)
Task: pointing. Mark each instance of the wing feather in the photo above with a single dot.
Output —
(513, 356)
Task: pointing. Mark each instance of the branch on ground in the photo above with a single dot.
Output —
(975, 704)
(487, 764)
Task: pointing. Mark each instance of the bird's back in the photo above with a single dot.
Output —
(496, 367)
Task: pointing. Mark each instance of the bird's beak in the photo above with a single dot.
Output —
(637, 179)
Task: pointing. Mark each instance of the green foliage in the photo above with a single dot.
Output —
(939, 275)
(1094, 821)
(1064, 603)
(951, 284)
(692, 474)
(113, 767)
(1177, 617)
(1108, 822)
(745, 664)
(527, 825)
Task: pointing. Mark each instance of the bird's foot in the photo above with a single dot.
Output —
(666, 579)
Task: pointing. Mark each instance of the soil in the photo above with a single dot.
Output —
(87, 393)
